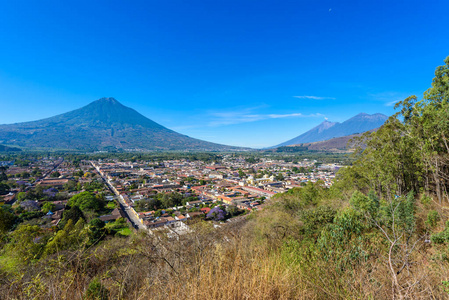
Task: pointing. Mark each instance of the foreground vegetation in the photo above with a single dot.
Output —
(381, 231)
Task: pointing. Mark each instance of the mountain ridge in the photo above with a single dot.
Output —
(104, 124)
(324, 131)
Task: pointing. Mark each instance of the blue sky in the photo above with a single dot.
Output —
(247, 73)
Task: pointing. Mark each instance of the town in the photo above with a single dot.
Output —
(164, 195)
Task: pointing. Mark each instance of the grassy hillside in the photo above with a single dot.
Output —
(310, 243)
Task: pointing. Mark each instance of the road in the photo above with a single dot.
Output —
(129, 211)
(55, 167)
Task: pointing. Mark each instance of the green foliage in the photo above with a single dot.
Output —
(445, 284)
(409, 151)
(96, 231)
(124, 232)
(310, 194)
(29, 215)
(78, 173)
(279, 177)
(70, 186)
(93, 186)
(168, 200)
(343, 242)
(293, 149)
(96, 291)
(406, 213)
(315, 218)
(441, 237)
(71, 236)
(73, 213)
(252, 160)
(21, 196)
(425, 199)
(87, 201)
(55, 174)
(432, 218)
(48, 206)
(7, 220)
(4, 188)
(27, 243)
(364, 204)
(117, 226)
(111, 205)
(3, 176)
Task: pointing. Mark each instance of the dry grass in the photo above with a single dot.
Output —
(228, 263)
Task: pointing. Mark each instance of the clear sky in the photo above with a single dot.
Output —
(249, 72)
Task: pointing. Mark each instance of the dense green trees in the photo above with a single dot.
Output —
(410, 151)
(72, 235)
(96, 231)
(27, 243)
(73, 213)
(88, 201)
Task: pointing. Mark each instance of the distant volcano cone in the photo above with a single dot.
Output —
(328, 130)
(104, 124)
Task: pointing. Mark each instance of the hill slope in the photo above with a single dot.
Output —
(104, 124)
(328, 130)
(4, 148)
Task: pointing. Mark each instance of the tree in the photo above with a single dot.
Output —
(216, 214)
(87, 200)
(7, 220)
(279, 177)
(48, 206)
(73, 213)
(55, 174)
(4, 188)
(36, 172)
(25, 244)
(21, 196)
(68, 237)
(395, 220)
(96, 231)
(78, 173)
(3, 176)
(233, 210)
(25, 175)
(70, 186)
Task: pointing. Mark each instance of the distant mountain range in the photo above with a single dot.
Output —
(329, 130)
(104, 124)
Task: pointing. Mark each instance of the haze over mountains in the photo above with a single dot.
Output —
(329, 130)
(104, 124)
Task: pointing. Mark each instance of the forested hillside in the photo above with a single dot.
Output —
(380, 232)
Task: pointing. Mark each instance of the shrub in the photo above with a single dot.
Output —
(97, 291)
(432, 218)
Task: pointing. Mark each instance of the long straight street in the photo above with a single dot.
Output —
(129, 211)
